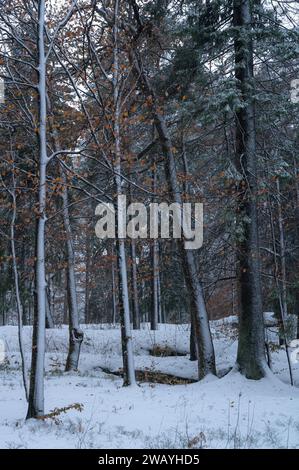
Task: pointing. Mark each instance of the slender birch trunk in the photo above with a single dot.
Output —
(36, 391)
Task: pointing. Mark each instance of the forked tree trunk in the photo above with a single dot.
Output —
(251, 358)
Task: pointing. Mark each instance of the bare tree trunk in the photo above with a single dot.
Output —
(75, 332)
(124, 314)
(282, 253)
(49, 318)
(206, 355)
(87, 275)
(155, 272)
(124, 308)
(134, 281)
(65, 300)
(114, 301)
(251, 358)
(36, 391)
(136, 313)
(281, 314)
(155, 286)
(296, 179)
(160, 313)
(193, 351)
(17, 290)
(193, 348)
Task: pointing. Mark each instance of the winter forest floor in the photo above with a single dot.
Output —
(226, 412)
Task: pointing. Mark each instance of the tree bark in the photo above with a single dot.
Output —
(282, 253)
(49, 318)
(17, 289)
(87, 274)
(193, 351)
(36, 391)
(155, 272)
(136, 313)
(124, 308)
(160, 313)
(114, 301)
(297, 237)
(75, 332)
(155, 286)
(251, 347)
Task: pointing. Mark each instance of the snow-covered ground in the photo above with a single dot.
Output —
(227, 412)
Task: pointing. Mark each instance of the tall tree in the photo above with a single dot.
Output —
(36, 391)
(251, 347)
(205, 349)
(124, 306)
